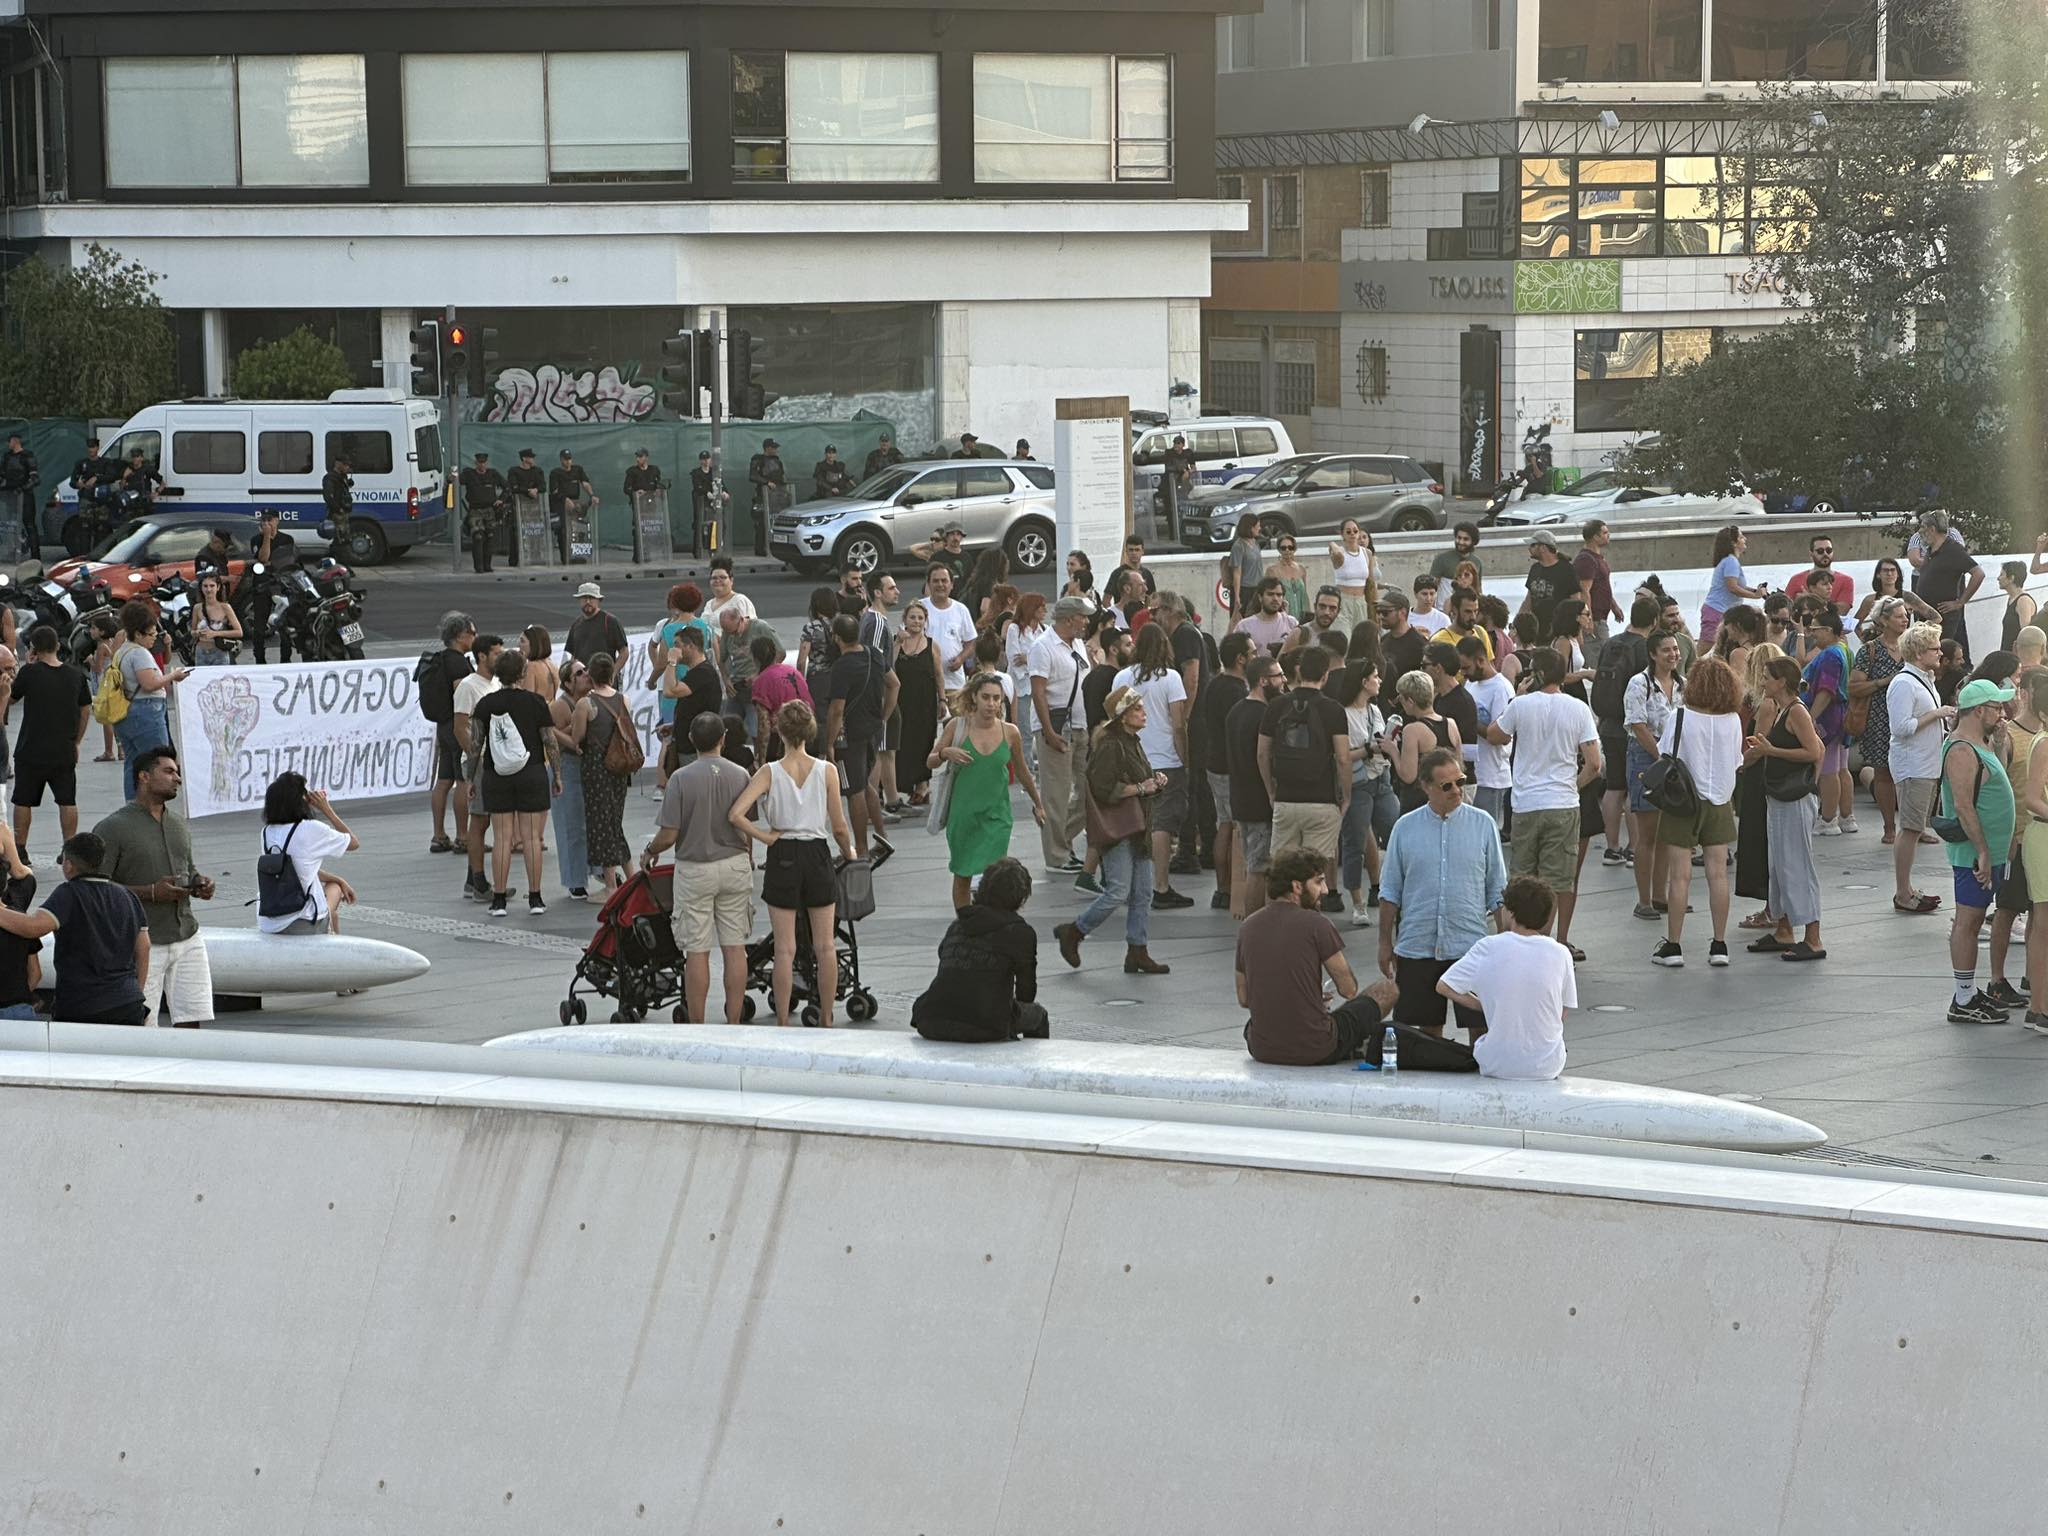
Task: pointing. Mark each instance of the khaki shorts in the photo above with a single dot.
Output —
(1546, 845)
(1711, 826)
(1300, 825)
(1917, 799)
(714, 905)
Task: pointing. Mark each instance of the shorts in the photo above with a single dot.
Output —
(1613, 758)
(526, 792)
(180, 970)
(1968, 892)
(2013, 891)
(1219, 792)
(1834, 756)
(1298, 824)
(714, 904)
(447, 754)
(1547, 846)
(1170, 810)
(1257, 838)
(473, 772)
(1420, 1004)
(31, 779)
(858, 759)
(1639, 760)
(1591, 821)
(799, 876)
(1709, 826)
(1916, 802)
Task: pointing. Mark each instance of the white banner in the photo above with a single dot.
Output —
(353, 728)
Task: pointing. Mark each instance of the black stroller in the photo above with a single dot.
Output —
(856, 879)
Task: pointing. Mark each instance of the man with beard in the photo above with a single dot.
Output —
(1283, 952)
(149, 851)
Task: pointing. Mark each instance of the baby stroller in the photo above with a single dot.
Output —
(856, 879)
(632, 959)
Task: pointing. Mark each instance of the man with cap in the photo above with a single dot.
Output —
(642, 475)
(19, 476)
(1550, 580)
(337, 495)
(704, 498)
(970, 446)
(771, 489)
(1976, 790)
(882, 457)
(944, 549)
(568, 489)
(1176, 482)
(483, 497)
(276, 552)
(1058, 663)
(830, 475)
(525, 480)
(595, 632)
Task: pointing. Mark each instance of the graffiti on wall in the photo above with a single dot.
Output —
(564, 397)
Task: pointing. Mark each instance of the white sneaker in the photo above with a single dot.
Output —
(1848, 824)
(1361, 915)
(1826, 829)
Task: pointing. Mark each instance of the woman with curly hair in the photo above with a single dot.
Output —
(1705, 734)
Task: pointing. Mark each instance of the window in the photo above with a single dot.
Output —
(1795, 40)
(1043, 117)
(209, 453)
(284, 453)
(1372, 373)
(1283, 202)
(1238, 50)
(835, 117)
(1038, 475)
(1298, 32)
(513, 119)
(368, 453)
(426, 447)
(1211, 444)
(1371, 32)
(1376, 198)
(295, 120)
(1294, 388)
(1252, 441)
(151, 444)
(1371, 474)
(175, 545)
(1230, 189)
(1635, 40)
(1611, 369)
(991, 481)
(1326, 477)
(1234, 385)
(1685, 205)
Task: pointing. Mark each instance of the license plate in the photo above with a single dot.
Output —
(351, 634)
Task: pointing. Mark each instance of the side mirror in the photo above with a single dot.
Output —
(909, 499)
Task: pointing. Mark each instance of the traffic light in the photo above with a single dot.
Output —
(706, 364)
(487, 348)
(426, 358)
(458, 356)
(746, 364)
(679, 374)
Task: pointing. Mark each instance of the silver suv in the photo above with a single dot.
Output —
(1003, 502)
(1384, 492)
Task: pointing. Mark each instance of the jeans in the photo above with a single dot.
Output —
(19, 1011)
(1492, 800)
(572, 849)
(147, 724)
(1372, 813)
(1126, 882)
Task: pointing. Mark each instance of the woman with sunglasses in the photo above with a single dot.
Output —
(1888, 579)
(1293, 577)
(1356, 570)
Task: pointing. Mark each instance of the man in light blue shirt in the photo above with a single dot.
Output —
(1440, 888)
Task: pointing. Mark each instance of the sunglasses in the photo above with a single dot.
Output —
(1446, 786)
(1286, 549)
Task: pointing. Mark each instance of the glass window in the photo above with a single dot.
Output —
(938, 485)
(1042, 117)
(1546, 173)
(475, 119)
(760, 118)
(170, 122)
(1924, 44)
(1283, 202)
(426, 447)
(1684, 347)
(1371, 474)
(151, 444)
(618, 116)
(1372, 373)
(209, 453)
(284, 453)
(1294, 393)
(304, 121)
(1615, 202)
(1144, 119)
(1258, 440)
(1233, 385)
(1376, 198)
(1616, 172)
(863, 117)
(368, 453)
(1646, 40)
(1795, 40)
(175, 545)
(1326, 477)
(1618, 237)
(1239, 35)
(992, 481)
(1611, 369)
(1038, 475)
(1152, 447)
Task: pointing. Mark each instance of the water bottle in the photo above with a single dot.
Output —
(1390, 1052)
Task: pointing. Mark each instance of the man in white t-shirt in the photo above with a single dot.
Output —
(950, 625)
(1423, 613)
(1165, 737)
(1491, 694)
(1522, 981)
(1057, 663)
(468, 694)
(1557, 753)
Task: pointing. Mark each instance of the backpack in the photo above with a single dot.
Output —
(110, 701)
(437, 692)
(507, 746)
(1621, 658)
(1299, 750)
(279, 890)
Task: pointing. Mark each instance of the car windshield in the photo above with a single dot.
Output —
(126, 542)
(886, 485)
(1281, 476)
(1599, 483)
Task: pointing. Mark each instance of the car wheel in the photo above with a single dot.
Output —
(1414, 520)
(1274, 525)
(1031, 547)
(366, 543)
(862, 550)
(1824, 507)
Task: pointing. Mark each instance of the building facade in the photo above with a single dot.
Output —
(948, 218)
(1468, 218)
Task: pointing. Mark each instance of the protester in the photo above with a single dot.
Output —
(920, 702)
(56, 710)
(598, 716)
(515, 777)
(1251, 807)
(1824, 695)
(1163, 687)
(1595, 584)
(1054, 669)
(1323, 614)
(1402, 646)
(1416, 730)
(1081, 579)
(815, 651)
(469, 693)
(943, 549)
(1648, 701)
(1622, 658)
(595, 632)
(1122, 787)
(572, 845)
(774, 683)
(713, 900)
(1268, 623)
(1521, 983)
(951, 626)
(1446, 669)
(1284, 951)
(21, 966)
(216, 627)
(150, 852)
(106, 636)
(1824, 581)
(2023, 729)
(737, 663)
(1440, 886)
(2034, 858)
(1305, 759)
(1917, 717)
(1870, 675)
(102, 948)
(1355, 571)
(1556, 756)
(1372, 810)
(303, 825)
(1728, 584)
(986, 988)
(1026, 627)
(1949, 577)
(146, 686)
(860, 693)
(987, 589)
(1223, 693)
(1549, 581)
(1789, 749)
(724, 594)
(1443, 566)
(1705, 735)
(801, 809)
(1192, 651)
(438, 677)
(1244, 565)
(1292, 576)
(1423, 612)
(1976, 792)
(984, 751)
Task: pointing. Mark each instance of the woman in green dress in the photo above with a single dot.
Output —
(983, 748)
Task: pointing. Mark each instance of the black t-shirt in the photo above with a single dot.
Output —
(599, 635)
(1459, 707)
(1187, 647)
(1095, 693)
(1314, 780)
(97, 922)
(1399, 654)
(1248, 802)
(702, 681)
(50, 699)
(857, 678)
(15, 952)
(1224, 693)
(1548, 586)
(1943, 573)
(530, 717)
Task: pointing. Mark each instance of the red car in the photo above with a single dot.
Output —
(140, 553)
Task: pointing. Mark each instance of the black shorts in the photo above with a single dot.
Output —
(1420, 1004)
(1613, 757)
(858, 759)
(1591, 821)
(30, 780)
(799, 875)
(2012, 890)
(447, 754)
(526, 791)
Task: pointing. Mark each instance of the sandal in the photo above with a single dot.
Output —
(1803, 951)
(1757, 920)
(1919, 906)
(1578, 955)
(440, 845)
(106, 757)
(1770, 944)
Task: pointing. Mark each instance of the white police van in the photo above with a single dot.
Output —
(241, 456)
(1227, 449)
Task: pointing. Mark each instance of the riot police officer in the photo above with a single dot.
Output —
(337, 495)
(881, 458)
(771, 489)
(19, 477)
(483, 497)
(830, 475)
(704, 497)
(524, 480)
(568, 488)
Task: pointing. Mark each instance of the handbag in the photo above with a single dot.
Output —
(1857, 717)
(622, 754)
(939, 795)
(110, 703)
(1667, 783)
(1111, 824)
(1790, 781)
(1946, 825)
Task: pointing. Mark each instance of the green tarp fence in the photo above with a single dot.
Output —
(58, 442)
(606, 452)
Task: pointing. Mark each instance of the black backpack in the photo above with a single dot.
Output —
(437, 691)
(279, 890)
(1299, 749)
(1621, 658)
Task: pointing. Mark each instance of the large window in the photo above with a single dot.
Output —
(1072, 117)
(1683, 205)
(296, 120)
(1743, 40)
(1619, 40)
(1795, 40)
(1611, 369)
(835, 117)
(528, 119)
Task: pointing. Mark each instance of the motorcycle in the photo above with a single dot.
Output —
(175, 598)
(1532, 479)
(317, 612)
(67, 607)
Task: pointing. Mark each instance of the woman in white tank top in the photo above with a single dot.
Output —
(1355, 569)
(801, 808)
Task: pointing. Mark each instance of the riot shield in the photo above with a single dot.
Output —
(652, 543)
(530, 528)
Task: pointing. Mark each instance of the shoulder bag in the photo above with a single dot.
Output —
(1785, 779)
(939, 796)
(1667, 783)
(1114, 823)
(1947, 825)
(622, 754)
(1857, 719)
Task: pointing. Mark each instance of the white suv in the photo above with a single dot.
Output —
(1005, 502)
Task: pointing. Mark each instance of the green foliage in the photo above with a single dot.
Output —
(301, 366)
(89, 341)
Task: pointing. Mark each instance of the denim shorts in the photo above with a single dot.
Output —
(1639, 762)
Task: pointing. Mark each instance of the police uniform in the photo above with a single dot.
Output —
(703, 496)
(523, 479)
(483, 493)
(19, 476)
(880, 459)
(336, 491)
(282, 553)
(831, 477)
(764, 469)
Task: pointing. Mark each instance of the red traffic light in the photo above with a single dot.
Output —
(457, 335)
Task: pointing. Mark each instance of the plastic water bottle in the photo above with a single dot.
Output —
(1390, 1052)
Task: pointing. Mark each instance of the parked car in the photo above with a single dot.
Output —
(1608, 495)
(1006, 502)
(1384, 492)
(1279, 475)
(145, 550)
(1226, 448)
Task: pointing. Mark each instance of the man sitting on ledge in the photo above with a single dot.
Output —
(1283, 951)
(1522, 982)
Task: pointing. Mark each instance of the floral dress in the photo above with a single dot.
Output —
(1876, 662)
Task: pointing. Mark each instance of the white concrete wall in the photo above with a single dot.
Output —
(1021, 357)
(1419, 415)
(237, 1309)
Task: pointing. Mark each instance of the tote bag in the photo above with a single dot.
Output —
(939, 795)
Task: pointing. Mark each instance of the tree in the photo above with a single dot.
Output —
(300, 366)
(87, 341)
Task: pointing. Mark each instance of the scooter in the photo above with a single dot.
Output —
(1533, 478)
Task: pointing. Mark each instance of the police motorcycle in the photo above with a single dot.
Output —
(316, 605)
(1532, 479)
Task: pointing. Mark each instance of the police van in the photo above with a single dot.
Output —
(1227, 449)
(241, 456)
